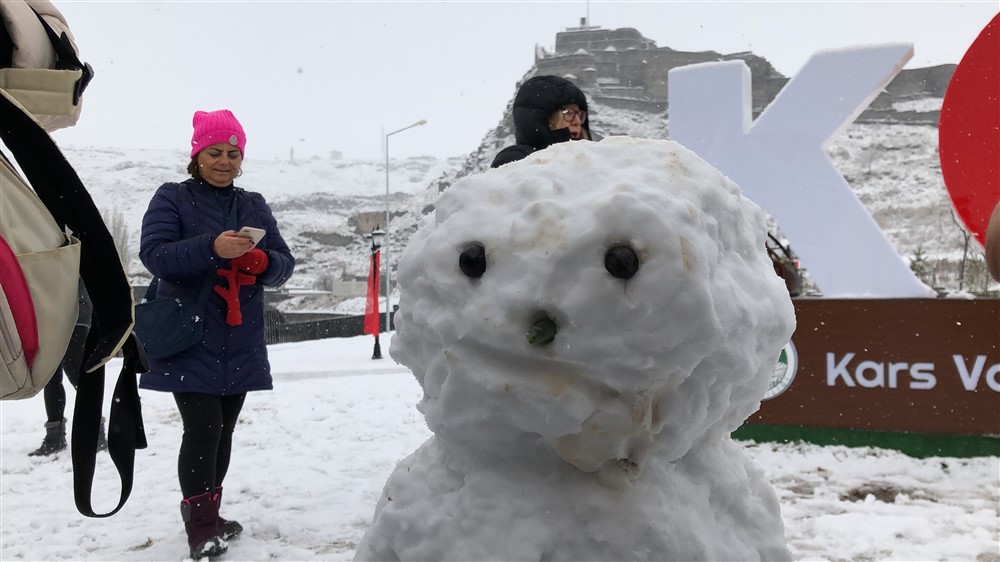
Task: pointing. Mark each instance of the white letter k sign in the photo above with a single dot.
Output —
(781, 164)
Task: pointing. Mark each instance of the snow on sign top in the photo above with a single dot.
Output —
(588, 325)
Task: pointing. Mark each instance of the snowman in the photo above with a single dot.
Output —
(588, 325)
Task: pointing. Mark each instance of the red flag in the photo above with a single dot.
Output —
(371, 307)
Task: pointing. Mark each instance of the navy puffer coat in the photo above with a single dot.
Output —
(178, 229)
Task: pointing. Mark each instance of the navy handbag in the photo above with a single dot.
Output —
(168, 326)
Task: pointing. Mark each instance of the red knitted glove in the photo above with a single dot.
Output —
(253, 262)
(231, 292)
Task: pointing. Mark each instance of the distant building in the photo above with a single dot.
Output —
(622, 69)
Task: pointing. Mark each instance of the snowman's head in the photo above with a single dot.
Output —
(608, 298)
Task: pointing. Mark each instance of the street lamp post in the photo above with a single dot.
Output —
(377, 236)
(388, 274)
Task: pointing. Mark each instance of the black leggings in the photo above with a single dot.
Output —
(208, 439)
(54, 394)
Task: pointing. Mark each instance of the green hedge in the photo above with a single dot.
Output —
(920, 445)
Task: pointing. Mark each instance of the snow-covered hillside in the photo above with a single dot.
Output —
(316, 201)
(893, 168)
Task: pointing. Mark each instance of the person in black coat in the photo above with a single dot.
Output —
(547, 110)
(55, 395)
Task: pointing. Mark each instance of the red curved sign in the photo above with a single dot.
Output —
(969, 132)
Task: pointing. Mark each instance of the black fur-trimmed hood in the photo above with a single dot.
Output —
(535, 101)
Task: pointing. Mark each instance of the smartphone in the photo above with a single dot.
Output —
(252, 233)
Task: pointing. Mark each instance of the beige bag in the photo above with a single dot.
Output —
(49, 261)
(46, 94)
(45, 73)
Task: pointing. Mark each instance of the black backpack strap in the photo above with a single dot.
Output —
(59, 187)
(64, 195)
(66, 58)
(6, 47)
(125, 430)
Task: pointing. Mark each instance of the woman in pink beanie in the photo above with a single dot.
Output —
(190, 242)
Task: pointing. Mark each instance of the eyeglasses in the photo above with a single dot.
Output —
(569, 113)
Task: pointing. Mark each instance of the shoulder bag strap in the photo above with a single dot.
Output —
(206, 288)
(151, 289)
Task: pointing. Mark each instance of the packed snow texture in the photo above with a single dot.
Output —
(611, 441)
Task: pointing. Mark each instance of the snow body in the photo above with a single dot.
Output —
(612, 441)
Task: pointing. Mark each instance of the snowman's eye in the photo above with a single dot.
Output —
(472, 262)
(621, 261)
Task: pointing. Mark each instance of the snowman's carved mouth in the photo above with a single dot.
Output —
(546, 373)
(588, 422)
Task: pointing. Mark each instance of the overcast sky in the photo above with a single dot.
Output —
(325, 76)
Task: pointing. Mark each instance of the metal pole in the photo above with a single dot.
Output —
(388, 282)
(388, 272)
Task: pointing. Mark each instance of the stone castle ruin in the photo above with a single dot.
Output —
(620, 68)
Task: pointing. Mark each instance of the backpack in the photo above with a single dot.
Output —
(52, 236)
(39, 64)
(39, 267)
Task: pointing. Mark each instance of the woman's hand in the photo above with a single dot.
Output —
(229, 245)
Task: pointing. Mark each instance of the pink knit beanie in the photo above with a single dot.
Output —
(213, 127)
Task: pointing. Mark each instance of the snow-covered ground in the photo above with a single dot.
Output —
(311, 458)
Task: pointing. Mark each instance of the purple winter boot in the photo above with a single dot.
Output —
(227, 529)
(200, 514)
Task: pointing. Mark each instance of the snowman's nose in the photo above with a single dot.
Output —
(542, 331)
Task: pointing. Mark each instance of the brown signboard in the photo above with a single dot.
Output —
(903, 365)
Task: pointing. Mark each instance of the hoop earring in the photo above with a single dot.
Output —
(239, 173)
